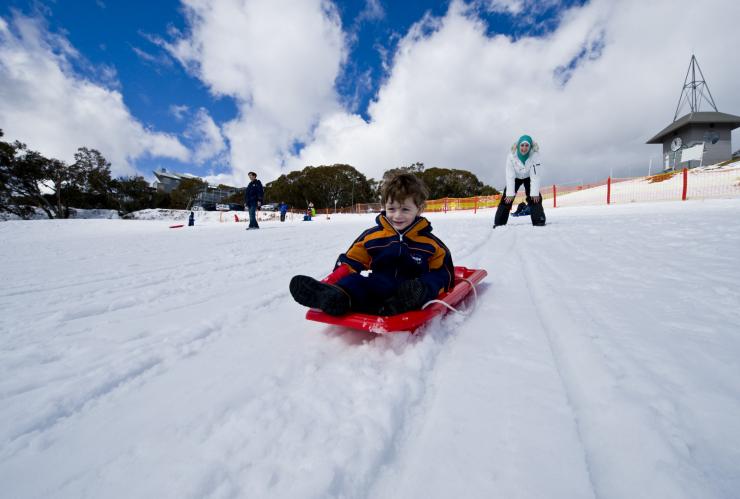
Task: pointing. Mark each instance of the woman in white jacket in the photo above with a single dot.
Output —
(522, 168)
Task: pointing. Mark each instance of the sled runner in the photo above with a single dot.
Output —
(465, 281)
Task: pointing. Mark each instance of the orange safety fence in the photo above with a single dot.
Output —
(671, 186)
(699, 183)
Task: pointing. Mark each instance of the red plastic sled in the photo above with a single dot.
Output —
(465, 279)
(176, 226)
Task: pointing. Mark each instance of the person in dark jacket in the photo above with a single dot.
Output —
(283, 210)
(253, 199)
(409, 265)
(191, 219)
(523, 168)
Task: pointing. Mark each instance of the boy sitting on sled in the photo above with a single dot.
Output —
(408, 265)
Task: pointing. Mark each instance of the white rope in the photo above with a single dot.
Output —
(475, 294)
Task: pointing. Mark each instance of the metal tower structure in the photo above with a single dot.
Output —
(693, 91)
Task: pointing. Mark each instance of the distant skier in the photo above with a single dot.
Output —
(283, 210)
(191, 219)
(253, 199)
(522, 168)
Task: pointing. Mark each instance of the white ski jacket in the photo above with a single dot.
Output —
(531, 168)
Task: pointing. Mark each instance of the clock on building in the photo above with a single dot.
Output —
(676, 144)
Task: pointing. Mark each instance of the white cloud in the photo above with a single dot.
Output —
(591, 91)
(277, 59)
(46, 105)
(179, 111)
(373, 11)
(458, 98)
(209, 141)
(518, 7)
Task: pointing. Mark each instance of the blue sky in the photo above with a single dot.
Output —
(220, 88)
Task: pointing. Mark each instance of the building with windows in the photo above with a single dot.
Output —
(168, 181)
(207, 198)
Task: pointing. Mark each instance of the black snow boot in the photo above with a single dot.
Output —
(316, 294)
(537, 214)
(502, 212)
(410, 295)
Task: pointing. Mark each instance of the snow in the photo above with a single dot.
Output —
(714, 181)
(601, 360)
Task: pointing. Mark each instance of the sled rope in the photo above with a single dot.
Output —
(475, 295)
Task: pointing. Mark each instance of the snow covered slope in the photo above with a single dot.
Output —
(602, 360)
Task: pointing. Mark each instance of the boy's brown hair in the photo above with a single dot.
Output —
(402, 186)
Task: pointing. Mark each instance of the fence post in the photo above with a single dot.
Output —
(475, 205)
(608, 190)
(685, 183)
(445, 206)
(554, 196)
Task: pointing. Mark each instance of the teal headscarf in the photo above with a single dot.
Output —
(528, 139)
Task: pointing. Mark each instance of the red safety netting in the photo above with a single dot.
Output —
(698, 183)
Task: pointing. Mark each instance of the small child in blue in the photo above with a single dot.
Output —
(408, 264)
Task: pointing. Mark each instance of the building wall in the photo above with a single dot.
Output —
(695, 133)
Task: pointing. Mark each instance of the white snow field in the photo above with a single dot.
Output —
(602, 361)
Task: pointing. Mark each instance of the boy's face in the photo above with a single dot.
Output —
(402, 214)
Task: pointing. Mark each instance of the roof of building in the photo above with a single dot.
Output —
(177, 176)
(698, 118)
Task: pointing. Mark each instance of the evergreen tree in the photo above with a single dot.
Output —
(133, 193)
(21, 173)
(182, 196)
(322, 186)
(444, 182)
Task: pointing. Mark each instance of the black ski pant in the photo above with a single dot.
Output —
(537, 212)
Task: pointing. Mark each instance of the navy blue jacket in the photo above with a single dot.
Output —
(414, 253)
(254, 193)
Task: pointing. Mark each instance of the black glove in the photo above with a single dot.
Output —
(410, 295)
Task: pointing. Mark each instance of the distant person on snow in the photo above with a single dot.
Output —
(253, 199)
(522, 168)
(191, 219)
(283, 210)
(409, 265)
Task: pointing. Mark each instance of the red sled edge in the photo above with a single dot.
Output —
(465, 279)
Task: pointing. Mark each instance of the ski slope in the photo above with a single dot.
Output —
(601, 361)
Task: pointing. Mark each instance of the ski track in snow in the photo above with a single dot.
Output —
(138, 361)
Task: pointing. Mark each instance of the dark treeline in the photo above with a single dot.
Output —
(323, 185)
(30, 181)
(445, 182)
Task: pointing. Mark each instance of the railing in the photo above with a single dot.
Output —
(672, 186)
(698, 183)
